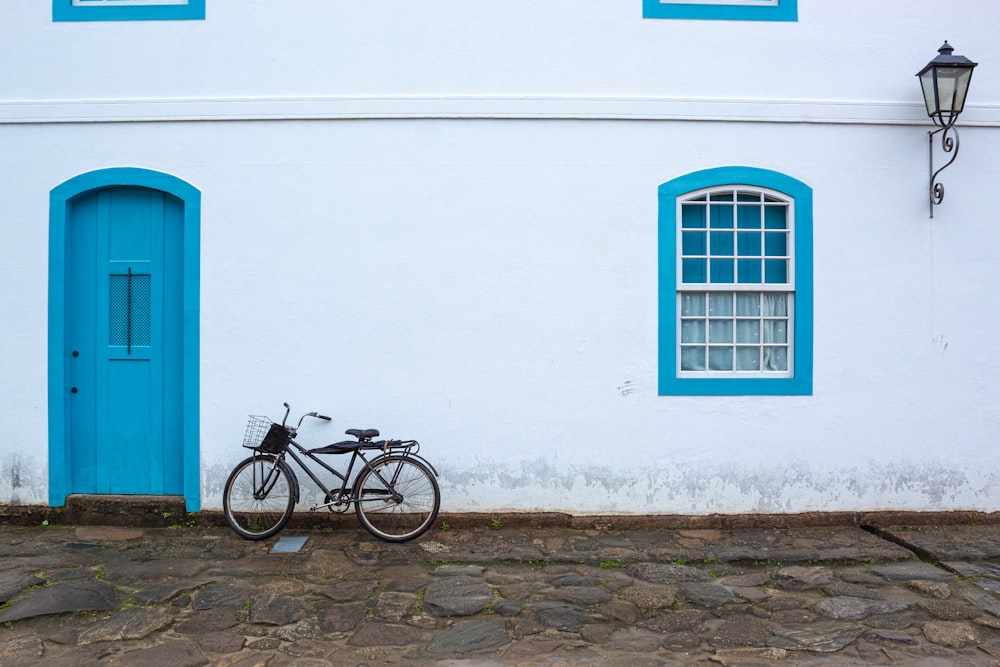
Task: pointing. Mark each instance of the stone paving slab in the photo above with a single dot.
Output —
(848, 544)
(510, 596)
(949, 543)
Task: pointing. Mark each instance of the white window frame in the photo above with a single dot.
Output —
(764, 198)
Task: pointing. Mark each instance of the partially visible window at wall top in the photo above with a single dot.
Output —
(127, 10)
(728, 10)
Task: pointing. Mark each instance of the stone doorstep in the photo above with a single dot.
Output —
(165, 511)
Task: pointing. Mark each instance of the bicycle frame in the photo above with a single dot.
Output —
(393, 490)
(342, 496)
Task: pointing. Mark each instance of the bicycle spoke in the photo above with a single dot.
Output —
(397, 499)
(258, 499)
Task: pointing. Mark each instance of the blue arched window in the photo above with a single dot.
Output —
(736, 295)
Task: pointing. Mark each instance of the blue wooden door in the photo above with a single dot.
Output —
(125, 316)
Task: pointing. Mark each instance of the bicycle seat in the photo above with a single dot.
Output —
(363, 433)
(346, 446)
(341, 447)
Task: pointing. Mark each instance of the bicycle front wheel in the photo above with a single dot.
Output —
(397, 498)
(259, 497)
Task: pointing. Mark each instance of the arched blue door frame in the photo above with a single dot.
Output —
(60, 463)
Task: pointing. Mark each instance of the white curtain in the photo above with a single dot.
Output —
(774, 332)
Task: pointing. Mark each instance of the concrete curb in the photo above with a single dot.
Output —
(168, 511)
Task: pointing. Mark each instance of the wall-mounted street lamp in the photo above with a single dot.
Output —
(945, 82)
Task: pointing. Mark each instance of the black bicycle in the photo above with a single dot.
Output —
(395, 492)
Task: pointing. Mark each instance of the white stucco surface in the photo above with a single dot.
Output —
(487, 284)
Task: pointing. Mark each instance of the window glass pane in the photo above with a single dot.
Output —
(747, 196)
(747, 305)
(748, 217)
(775, 217)
(775, 359)
(748, 271)
(692, 217)
(692, 358)
(722, 243)
(720, 358)
(748, 244)
(693, 270)
(781, 331)
(775, 331)
(693, 304)
(693, 331)
(775, 271)
(693, 243)
(722, 270)
(748, 358)
(747, 331)
(720, 305)
(721, 216)
(775, 305)
(722, 196)
(775, 244)
(720, 331)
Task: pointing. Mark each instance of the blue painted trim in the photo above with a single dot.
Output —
(59, 206)
(801, 383)
(785, 10)
(65, 10)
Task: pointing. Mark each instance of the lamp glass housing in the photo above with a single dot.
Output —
(945, 83)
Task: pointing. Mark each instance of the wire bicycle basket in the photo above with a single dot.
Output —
(266, 436)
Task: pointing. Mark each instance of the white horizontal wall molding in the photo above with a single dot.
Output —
(480, 107)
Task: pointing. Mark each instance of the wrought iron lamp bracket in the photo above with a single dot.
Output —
(949, 144)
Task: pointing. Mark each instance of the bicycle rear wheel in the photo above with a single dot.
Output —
(397, 498)
(259, 497)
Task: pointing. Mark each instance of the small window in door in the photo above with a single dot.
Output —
(129, 309)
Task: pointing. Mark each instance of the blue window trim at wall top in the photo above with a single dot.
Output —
(65, 10)
(802, 383)
(785, 10)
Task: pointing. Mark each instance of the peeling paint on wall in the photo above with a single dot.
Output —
(726, 487)
(23, 481)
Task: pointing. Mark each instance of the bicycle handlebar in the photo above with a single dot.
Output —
(308, 414)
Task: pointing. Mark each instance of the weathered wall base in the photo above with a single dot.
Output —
(169, 511)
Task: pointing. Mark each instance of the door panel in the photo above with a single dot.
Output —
(125, 327)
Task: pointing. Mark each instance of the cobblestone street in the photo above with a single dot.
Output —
(188, 596)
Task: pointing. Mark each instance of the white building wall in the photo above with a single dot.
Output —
(444, 225)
